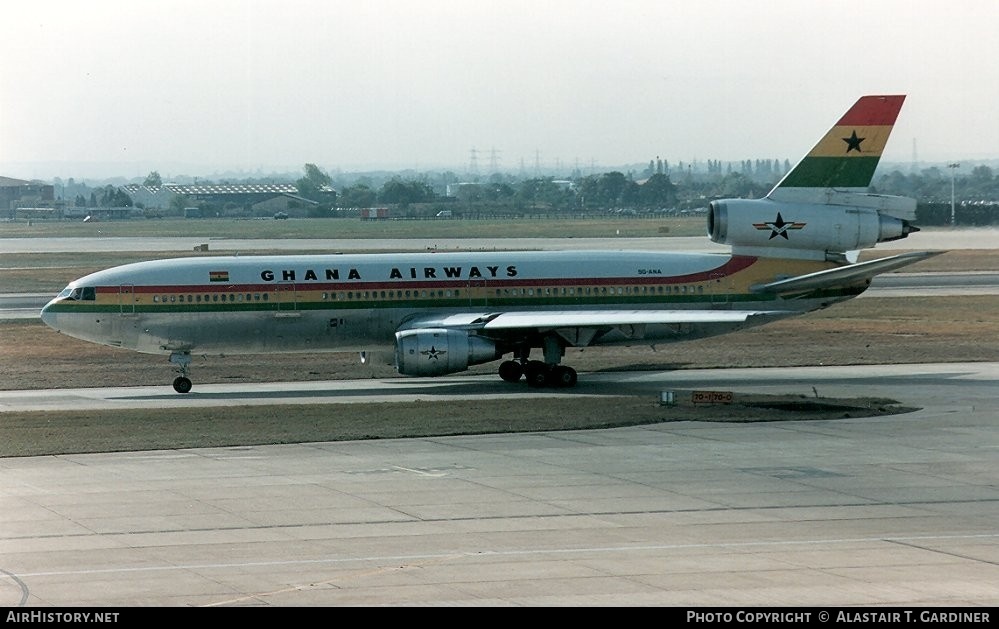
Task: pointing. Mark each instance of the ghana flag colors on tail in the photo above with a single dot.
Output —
(849, 153)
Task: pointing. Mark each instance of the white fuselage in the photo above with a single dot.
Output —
(254, 304)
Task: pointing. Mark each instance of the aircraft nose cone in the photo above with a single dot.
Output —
(47, 315)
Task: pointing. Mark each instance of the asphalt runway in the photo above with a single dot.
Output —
(894, 511)
(890, 511)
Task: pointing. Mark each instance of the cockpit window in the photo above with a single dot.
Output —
(86, 293)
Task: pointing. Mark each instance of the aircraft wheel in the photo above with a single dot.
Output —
(511, 371)
(182, 384)
(563, 376)
(537, 374)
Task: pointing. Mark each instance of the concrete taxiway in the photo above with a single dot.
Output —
(895, 510)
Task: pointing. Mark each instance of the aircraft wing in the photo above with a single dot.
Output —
(600, 318)
(844, 275)
(582, 318)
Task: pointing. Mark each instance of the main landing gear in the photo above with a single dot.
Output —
(540, 373)
(181, 384)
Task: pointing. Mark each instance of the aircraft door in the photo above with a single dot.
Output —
(721, 290)
(286, 298)
(478, 293)
(126, 299)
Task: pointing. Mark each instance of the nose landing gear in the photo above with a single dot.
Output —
(181, 384)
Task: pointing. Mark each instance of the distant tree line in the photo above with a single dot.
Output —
(106, 197)
(661, 187)
(976, 195)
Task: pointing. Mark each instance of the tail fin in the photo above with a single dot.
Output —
(821, 209)
(846, 157)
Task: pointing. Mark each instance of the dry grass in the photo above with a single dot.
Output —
(36, 434)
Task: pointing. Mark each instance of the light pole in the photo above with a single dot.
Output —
(953, 168)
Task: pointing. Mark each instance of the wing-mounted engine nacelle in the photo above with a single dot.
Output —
(439, 351)
(765, 223)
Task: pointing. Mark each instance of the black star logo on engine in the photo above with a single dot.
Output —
(853, 142)
(433, 353)
(778, 227)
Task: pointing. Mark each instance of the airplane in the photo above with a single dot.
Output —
(791, 252)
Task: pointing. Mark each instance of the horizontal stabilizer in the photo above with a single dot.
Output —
(844, 275)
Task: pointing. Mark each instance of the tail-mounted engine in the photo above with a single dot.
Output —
(818, 227)
(438, 351)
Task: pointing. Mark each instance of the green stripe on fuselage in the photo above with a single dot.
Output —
(832, 172)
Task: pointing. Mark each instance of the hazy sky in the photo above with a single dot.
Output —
(194, 87)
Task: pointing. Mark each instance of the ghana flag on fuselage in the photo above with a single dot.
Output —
(848, 154)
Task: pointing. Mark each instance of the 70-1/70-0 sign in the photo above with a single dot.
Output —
(711, 397)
